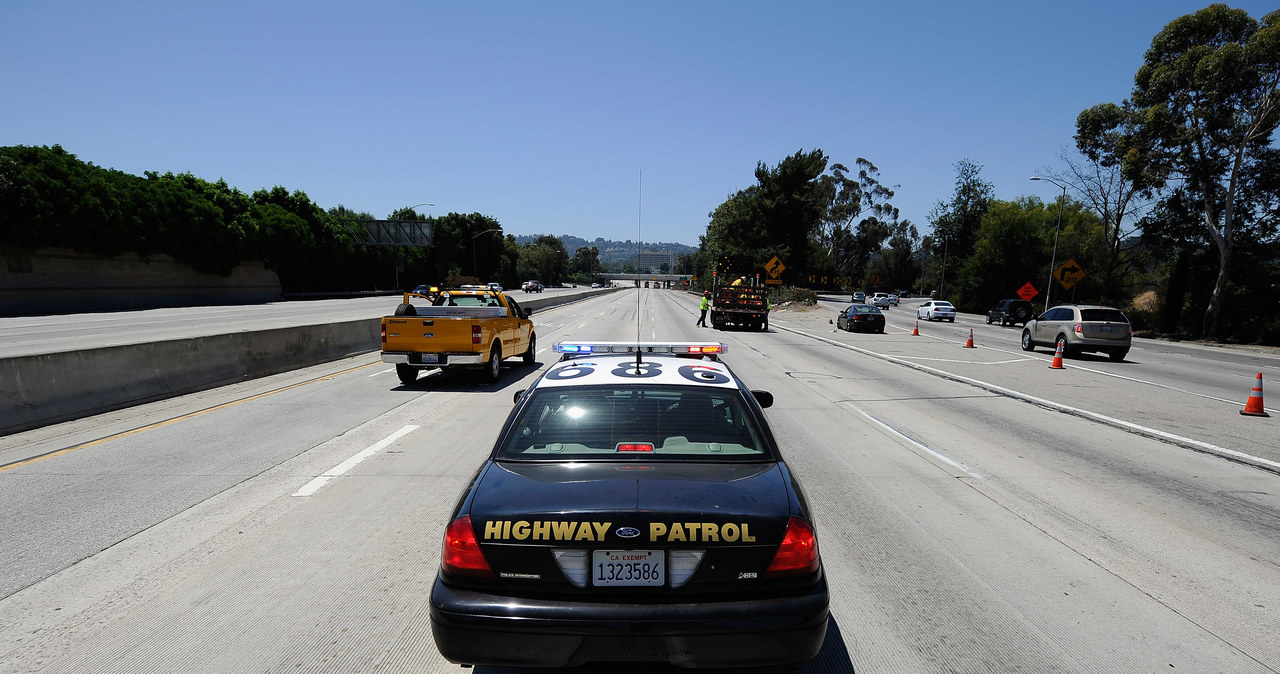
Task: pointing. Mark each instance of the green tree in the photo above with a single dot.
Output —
(585, 263)
(1207, 98)
(544, 259)
(780, 215)
(956, 222)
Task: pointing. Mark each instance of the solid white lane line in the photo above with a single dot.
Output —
(382, 372)
(1189, 443)
(337, 471)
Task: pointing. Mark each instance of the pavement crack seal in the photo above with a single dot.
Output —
(1130, 427)
(903, 437)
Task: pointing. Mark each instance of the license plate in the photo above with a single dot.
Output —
(1106, 328)
(621, 568)
(430, 358)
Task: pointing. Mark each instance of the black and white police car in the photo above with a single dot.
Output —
(634, 508)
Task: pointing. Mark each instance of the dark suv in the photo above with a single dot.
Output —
(1010, 312)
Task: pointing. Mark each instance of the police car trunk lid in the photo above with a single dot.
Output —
(729, 517)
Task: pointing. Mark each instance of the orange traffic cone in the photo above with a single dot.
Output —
(1254, 408)
(1057, 359)
(916, 331)
(969, 344)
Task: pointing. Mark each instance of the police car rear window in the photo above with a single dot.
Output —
(640, 423)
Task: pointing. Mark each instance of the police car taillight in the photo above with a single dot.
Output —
(798, 554)
(461, 554)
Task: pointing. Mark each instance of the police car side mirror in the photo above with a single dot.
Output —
(763, 397)
(831, 321)
(516, 398)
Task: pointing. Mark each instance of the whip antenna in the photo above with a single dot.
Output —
(639, 212)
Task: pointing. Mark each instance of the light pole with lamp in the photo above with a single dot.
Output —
(1053, 261)
(415, 206)
(474, 269)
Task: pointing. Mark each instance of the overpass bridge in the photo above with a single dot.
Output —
(662, 280)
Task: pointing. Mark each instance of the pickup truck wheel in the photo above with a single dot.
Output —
(989, 320)
(494, 366)
(407, 373)
(533, 346)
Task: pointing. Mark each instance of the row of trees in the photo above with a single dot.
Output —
(49, 198)
(1171, 206)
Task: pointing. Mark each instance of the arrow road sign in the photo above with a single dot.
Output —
(1069, 274)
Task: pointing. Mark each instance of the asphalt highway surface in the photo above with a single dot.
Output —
(976, 510)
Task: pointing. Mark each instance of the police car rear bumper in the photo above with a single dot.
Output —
(477, 628)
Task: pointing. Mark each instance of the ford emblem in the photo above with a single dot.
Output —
(627, 532)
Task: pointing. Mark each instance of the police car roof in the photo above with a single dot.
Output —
(614, 363)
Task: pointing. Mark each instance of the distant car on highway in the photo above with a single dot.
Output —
(532, 286)
(860, 318)
(1081, 328)
(1010, 312)
(894, 299)
(937, 309)
(859, 297)
(881, 300)
(495, 287)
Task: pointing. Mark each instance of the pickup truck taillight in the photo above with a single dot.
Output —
(475, 334)
(384, 335)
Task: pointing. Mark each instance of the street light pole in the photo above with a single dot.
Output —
(1053, 261)
(474, 269)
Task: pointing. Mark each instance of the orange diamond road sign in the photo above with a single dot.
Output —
(774, 267)
(1069, 274)
(1028, 291)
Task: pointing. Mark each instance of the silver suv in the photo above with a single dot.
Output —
(1080, 328)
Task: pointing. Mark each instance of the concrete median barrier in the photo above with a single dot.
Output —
(48, 388)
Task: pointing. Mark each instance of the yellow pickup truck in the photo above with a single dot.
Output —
(469, 327)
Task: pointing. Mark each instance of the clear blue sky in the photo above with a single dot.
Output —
(611, 119)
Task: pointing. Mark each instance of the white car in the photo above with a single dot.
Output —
(937, 309)
(881, 300)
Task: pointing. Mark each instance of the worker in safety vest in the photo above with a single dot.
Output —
(704, 305)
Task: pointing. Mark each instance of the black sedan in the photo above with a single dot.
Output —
(861, 318)
(634, 508)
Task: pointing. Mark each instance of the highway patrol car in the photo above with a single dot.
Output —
(634, 508)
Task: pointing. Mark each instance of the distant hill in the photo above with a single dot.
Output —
(612, 252)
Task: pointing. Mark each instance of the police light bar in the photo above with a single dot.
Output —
(692, 348)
